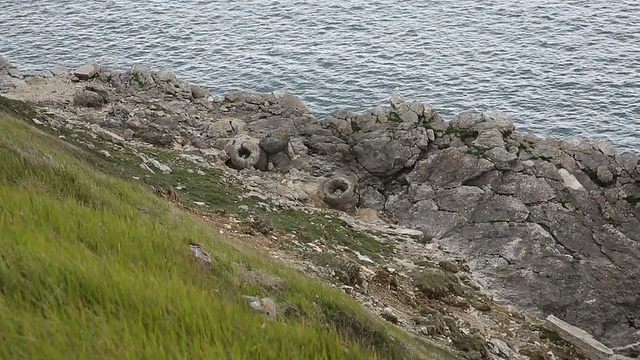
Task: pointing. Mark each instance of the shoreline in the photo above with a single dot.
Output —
(324, 117)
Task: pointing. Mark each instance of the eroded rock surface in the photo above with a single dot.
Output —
(549, 225)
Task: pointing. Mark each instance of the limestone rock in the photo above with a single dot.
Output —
(389, 315)
(167, 122)
(501, 208)
(198, 92)
(141, 77)
(489, 139)
(106, 135)
(382, 155)
(581, 339)
(501, 348)
(501, 157)
(339, 192)
(128, 134)
(265, 305)
(89, 98)
(629, 161)
(461, 200)
(604, 174)
(290, 101)
(200, 253)
(396, 99)
(488, 120)
(570, 181)
(449, 168)
(86, 71)
(631, 350)
(245, 153)
(226, 127)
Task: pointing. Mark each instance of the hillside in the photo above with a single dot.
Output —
(91, 264)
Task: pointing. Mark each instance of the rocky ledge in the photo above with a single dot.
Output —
(551, 226)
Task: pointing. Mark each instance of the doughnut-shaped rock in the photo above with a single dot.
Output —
(339, 192)
(245, 153)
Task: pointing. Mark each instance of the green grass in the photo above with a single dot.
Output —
(330, 229)
(93, 266)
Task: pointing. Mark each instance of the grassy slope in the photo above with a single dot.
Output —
(91, 264)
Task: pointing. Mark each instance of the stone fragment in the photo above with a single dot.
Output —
(198, 92)
(86, 71)
(629, 161)
(88, 98)
(604, 175)
(389, 315)
(128, 134)
(265, 305)
(200, 253)
(106, 135)
(500, 348)
(570, 181)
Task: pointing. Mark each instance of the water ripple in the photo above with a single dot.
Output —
(559, 67)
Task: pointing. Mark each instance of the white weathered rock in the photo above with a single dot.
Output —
(396, 99)
(570, 181)
(86, 71)
(106, 134)
(501, 348)
(590, 347)
(604, 174)
(629, 161)
(200, 253)
(160, 166)
(265, 305)
(606, 147)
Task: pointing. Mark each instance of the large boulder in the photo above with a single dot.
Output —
(382, 154)
(90, 97)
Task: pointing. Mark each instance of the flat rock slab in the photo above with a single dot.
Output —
(590, 347)
(86, 71)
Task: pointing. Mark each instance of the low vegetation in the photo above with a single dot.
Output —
(94, 266)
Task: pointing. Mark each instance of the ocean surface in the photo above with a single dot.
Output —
(559, 67)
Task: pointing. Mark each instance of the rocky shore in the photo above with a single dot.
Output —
(550, 226)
